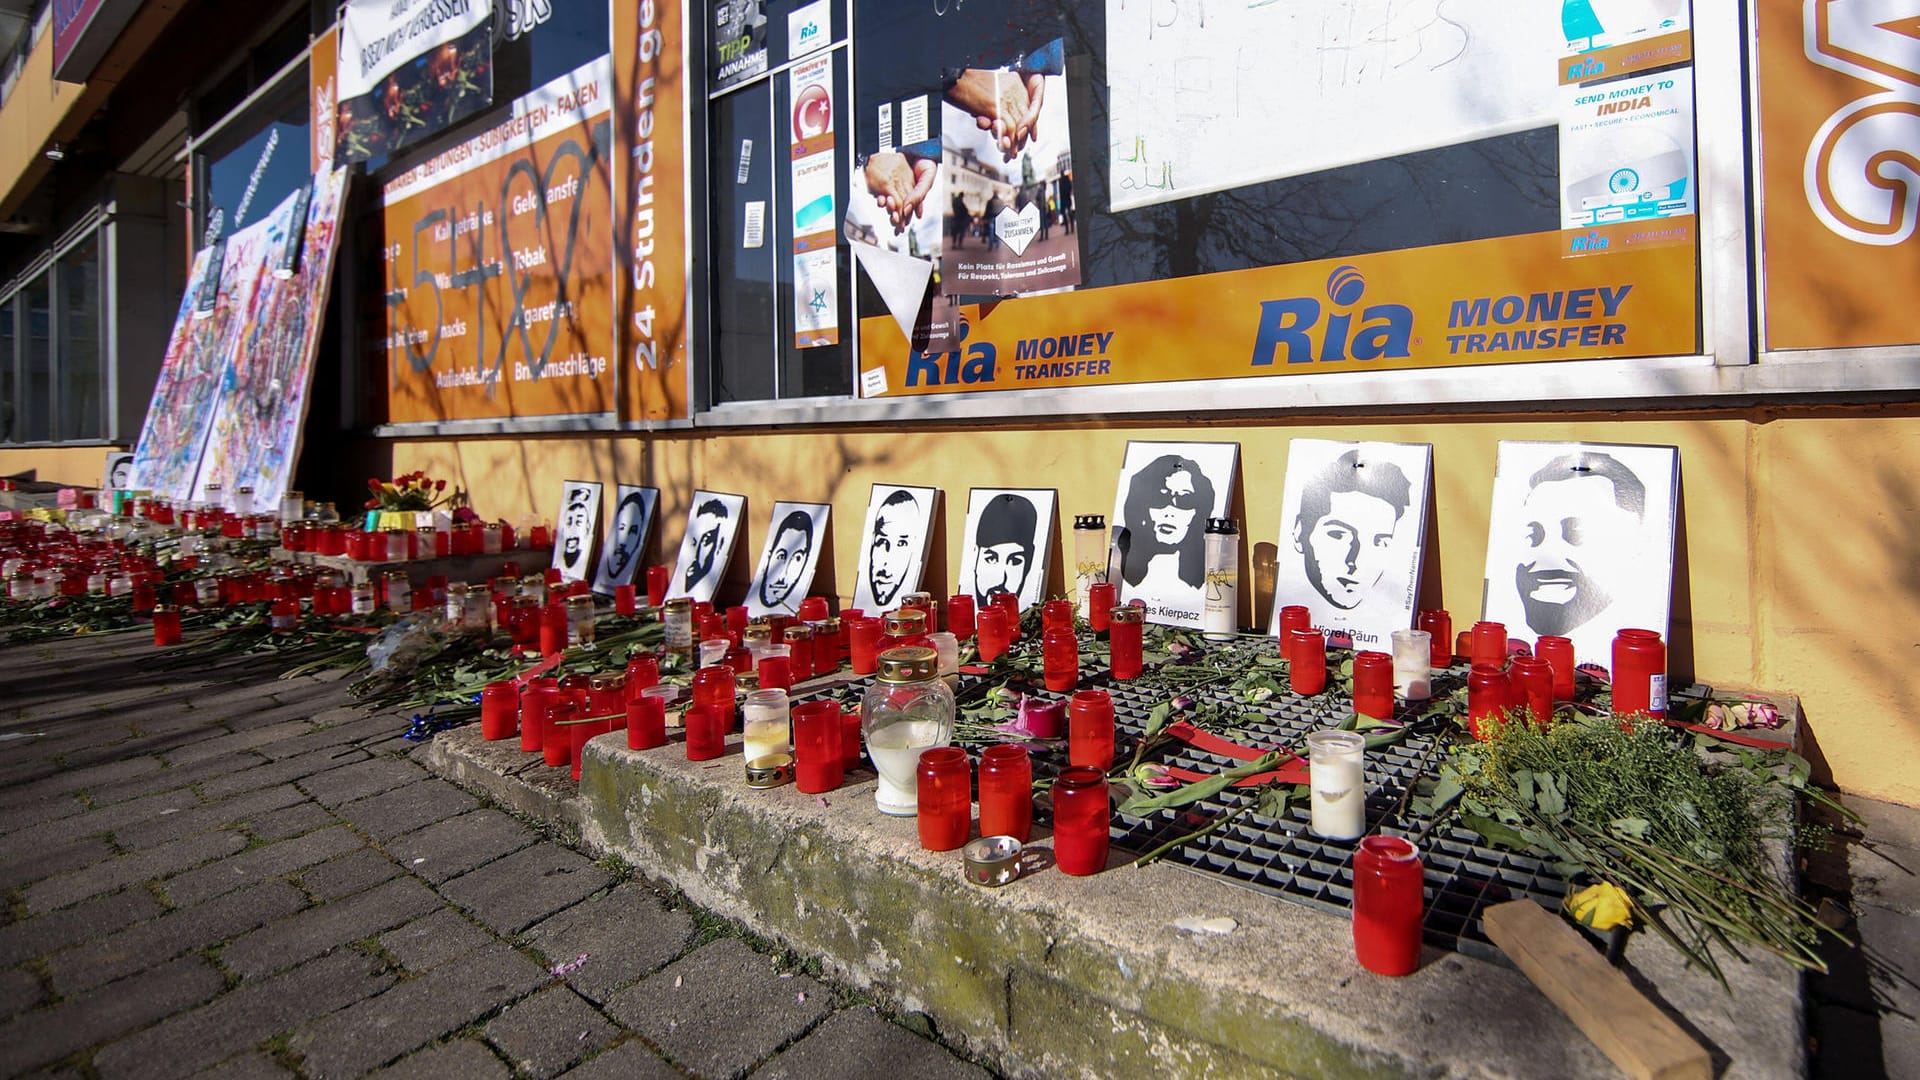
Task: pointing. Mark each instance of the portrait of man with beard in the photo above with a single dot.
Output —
(1008, 534)
(627, 538)
(893, 548)
(1581, 542)
(705, 547)
(573, 542)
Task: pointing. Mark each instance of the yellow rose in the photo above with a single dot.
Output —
(1601, 907)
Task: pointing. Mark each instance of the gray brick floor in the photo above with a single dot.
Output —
(210, 872)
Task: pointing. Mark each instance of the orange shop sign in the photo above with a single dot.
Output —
(1631, 291)
(499, 265)
(1840, 170)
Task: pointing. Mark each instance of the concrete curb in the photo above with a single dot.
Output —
(1087, 976)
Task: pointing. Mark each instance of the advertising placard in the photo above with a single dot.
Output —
(408, 69)
(812, 146)
(739, 42)
(499, 264)
(1504, 300)
(650, 209)
(1839, 139)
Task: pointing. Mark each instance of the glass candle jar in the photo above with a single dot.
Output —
(922, 602)
(657, 579)
(1082, 817)
(1639, 675)
(1006, 792)
(1557, 651)
(1373, 685)
(1010, 604)
(1292, 617)
(819, 759)
(646, 722)
(905, 628)
(642, 672)
(499, 710)
(1089, 561)
(535, 585)
(607, 698)
(1488, 698)
(706, 733)
(363, 598)
(523, 622)
(907, 710)
(553, 630)
(713, 688)
(399, 591)
(1412, 665)
(455, 608)
(829, 638)
(813, 609)
(678, 639)
(863, 638)
(1056, 615)
(799, 642)
(626, 600)
(1307, 661)
(1090, 729)
(766, 729)
(166, 625)
(555, 749)
(1101, 598)
(1060, 659)
(1530, 687)
(1337, 784)
(580, 619)
(1490, 643)
(715, 651)
(1388, 903)
(995, 633)
(943, 787)
(946, 648)
(960, 616)
(776, 667)
(1221, 614)
(283, 616)
(1126, 627)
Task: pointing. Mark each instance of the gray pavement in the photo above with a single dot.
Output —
(1864, 1014)
(209, 871)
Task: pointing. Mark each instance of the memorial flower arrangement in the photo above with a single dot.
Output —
(414, 491)
(1673, 830)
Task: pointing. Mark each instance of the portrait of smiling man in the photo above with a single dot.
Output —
(786, 566)
(1353, 519)
(1581, 542)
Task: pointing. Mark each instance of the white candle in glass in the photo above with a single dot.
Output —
(1337, 784)
(765, 729)
(1412, 655)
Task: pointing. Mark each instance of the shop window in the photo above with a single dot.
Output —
(11, 425)
(36, 404)
(782, 309)
(82, 366)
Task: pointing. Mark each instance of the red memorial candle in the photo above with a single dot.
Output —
(1388, 903)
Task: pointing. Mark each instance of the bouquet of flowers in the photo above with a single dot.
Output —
(414, 491)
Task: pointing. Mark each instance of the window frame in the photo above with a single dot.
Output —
(98, 225)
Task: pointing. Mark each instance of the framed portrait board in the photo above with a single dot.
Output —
(787, 563)
(626, 540)
(1009, 543)
(893, 545)
(578, 521)
(1166, 494)
(713, 520)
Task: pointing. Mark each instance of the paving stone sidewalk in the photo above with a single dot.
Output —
(209, 871)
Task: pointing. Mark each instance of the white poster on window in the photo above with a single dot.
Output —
(816, 275)
(1209, 97)
(1626, 149)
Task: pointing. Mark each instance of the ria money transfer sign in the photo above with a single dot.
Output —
(499, 265)
(1505, 300)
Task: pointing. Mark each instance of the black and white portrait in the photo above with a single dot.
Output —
(119, 470)
(794, 540)
(1167, 492)
(1581, 542)
(1009, 541)
(579, 521)
(713, 520)
(627, 533)
(893, 545)
(1352, 528)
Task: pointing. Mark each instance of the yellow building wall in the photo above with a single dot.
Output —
(1795, 571)
(75, 466)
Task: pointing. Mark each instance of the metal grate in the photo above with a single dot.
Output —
(1280, 857)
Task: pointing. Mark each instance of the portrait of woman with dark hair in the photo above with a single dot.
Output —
(1167, 492)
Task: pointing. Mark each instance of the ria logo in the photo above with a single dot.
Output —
(1590, 68)
(1862, 174)
(1385, 330)
(1593, 241)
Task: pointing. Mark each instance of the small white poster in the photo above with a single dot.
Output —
(1581, 542)
(755, 233)
(816, 298)
(1626, 149)
(1601, 24)
(913, 121)
(809, 28)
(1352, 529)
